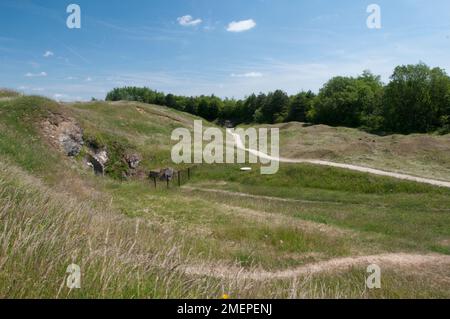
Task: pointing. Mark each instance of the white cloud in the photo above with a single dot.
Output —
(240, 26)
(247, 75)
(60, 96)
(88, 79)
(71, 78)
(48, 54)
(34, 75)
(188, 21)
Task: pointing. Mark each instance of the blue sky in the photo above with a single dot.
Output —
(287, 44)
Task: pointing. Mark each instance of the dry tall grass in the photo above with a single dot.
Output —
(4, 93)
(43, 229)
(42, 232)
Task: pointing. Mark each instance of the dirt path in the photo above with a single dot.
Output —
(280, 199)
(333, 265)
(257, 216)
(363, 169)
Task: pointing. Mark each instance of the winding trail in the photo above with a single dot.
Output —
(401, 259)
(338, 264)
(357, 168)
(272, 198)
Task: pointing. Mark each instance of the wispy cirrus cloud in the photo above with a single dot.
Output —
(241, 26)
(188, 21)
(247, 75)
(75, 53)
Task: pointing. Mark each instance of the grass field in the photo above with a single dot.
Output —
(225, 231)
(6, 93)
(417, 154)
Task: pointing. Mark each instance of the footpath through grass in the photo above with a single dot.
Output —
(411, 215)
(133, 241)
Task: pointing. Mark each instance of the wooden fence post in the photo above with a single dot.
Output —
(167, 180)
(179, 178)
(154, 180)
(189, 173)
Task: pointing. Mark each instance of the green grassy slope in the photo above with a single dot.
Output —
(135, 241)
(6, 93)
(423, 155)
(145, 127)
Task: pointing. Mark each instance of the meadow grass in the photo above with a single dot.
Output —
(7, 93)
(413, 215)
(19, 137)
(425, 155)
(43, 232)
(133, 241)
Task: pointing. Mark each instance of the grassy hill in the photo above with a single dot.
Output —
(225, 231)
(6, 93)
(422, 155)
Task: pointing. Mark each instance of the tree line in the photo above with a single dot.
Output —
(416, 100)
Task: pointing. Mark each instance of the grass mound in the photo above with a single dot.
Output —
(134, 241)
(5, 93)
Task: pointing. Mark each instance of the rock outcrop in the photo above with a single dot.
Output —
(133, 160)
(91, 161)
(64, 133)
(97, 159)
(102, 157)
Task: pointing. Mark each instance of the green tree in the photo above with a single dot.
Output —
(351, 102)
(214, 107)
(170, 101)
(337, 103)
(370, 92)
(275, 107)
(260, 102)
(250, 105)
(191, 106)
(203, 105)
(299, 105)
(416, 99)
(228, 110)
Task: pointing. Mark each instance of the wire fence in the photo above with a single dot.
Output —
(167, 178)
